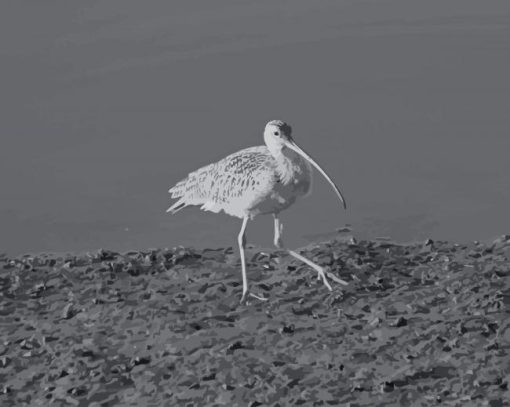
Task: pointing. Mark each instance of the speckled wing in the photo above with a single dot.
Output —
(233, 184)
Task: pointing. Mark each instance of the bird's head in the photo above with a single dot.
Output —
(277, 136)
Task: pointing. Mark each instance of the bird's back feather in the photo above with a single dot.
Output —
(217, 186)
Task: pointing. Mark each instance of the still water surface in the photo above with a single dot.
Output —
(105, 105)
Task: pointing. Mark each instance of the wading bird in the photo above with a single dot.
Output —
(255, 181)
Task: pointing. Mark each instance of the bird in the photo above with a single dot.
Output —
(261, 180)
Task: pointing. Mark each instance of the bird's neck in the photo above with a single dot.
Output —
(289, 163)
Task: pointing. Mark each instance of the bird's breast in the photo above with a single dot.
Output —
(294, 168)
(275, 186)
(292, 181)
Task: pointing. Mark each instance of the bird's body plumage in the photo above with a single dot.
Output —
(246, 183)
(257, 180)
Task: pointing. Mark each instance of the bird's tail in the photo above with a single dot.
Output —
(188, 191)
(178, 191)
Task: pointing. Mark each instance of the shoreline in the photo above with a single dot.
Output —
(327, 238)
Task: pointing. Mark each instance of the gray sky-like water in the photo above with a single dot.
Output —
(106, 104)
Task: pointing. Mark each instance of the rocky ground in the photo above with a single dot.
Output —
(418, 325)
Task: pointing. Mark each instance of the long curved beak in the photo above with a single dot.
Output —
(293, 146)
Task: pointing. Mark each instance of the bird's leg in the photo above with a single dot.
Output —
(278, 241)
(320, 271)
(241, 239)
(278, 228)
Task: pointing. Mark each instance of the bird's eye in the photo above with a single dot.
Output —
(276, 133)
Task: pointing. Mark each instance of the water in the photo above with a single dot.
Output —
(105, 105)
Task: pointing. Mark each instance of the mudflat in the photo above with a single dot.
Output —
(419, 324)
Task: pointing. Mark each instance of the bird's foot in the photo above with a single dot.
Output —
(321, 275)
(321, 272)
(327, 271)
(258, 297)
(247, 294)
